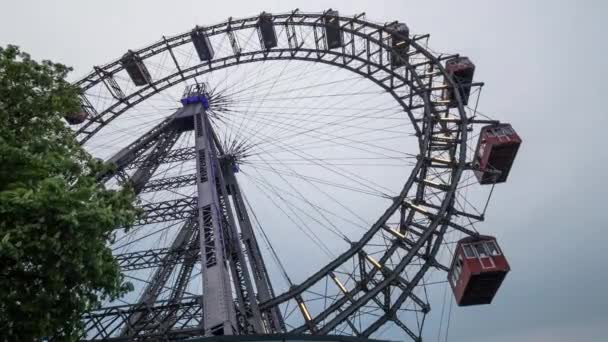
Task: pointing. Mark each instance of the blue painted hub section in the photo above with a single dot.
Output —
(196, 99)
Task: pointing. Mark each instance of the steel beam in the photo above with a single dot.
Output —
(169, 183)
(153, 257)
(173, 156)
(171, 210)
(159, 278)
(274, 320)
(104, 324)
(135, 149)
(246, 296)
(143, 174)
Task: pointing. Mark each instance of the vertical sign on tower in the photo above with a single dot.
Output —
(219, 317)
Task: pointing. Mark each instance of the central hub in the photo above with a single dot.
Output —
(230, 161)
(196, 93)
(193, 94)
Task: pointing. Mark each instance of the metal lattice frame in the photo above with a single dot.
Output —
(426, 204)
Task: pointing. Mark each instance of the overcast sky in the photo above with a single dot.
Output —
(545, 71)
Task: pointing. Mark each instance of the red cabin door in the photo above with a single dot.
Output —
(485, 259)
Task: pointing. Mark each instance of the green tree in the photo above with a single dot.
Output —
(56, 221)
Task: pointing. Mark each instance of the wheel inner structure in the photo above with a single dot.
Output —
(376, 280)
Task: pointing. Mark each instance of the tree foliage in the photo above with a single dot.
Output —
(55, 219)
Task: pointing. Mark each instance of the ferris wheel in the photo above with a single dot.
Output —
(299, 174)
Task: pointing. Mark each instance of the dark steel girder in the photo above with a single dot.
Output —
(153, 257)
(190, 258)
(172, 156)
(171, 210)
(143, 174)
(373, 292)
(169, 183)
(361, 287)
(134, 150)
(407, 291)
(140, 321)
(356, 247)
(106, 323)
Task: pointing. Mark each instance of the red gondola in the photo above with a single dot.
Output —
(333, 31)
(201, 43)
(399, 33)
(266, 31)
(496, 151)
(76, 118)
(136, 68)
(477, 270)
(461, 69)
